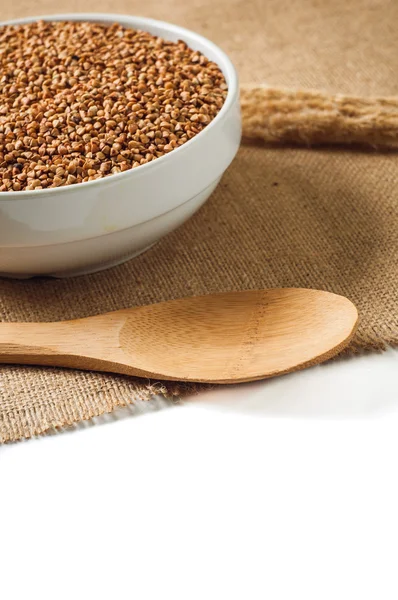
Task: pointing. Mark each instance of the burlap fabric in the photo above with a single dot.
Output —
(324, 218)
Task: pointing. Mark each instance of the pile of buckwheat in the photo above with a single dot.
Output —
(80, 101)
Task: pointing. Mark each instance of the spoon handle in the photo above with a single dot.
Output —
(35, 343)
(90, 344)
(17, 339)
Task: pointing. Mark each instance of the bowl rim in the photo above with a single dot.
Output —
(140, 23)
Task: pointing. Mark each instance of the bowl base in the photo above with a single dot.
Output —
(100, 266)
(86, 256)
(80, 272)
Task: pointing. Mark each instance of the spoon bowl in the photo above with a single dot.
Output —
(220, 338)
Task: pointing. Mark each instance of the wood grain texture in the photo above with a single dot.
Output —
(219, 338)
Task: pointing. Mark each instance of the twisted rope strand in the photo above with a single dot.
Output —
(316, 118)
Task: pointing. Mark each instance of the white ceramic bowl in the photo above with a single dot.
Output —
(87, 227)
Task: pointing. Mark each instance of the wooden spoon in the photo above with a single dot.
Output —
(220, 338)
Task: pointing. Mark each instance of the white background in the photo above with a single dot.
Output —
(279, 489)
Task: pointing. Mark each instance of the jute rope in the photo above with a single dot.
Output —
(316, 118)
